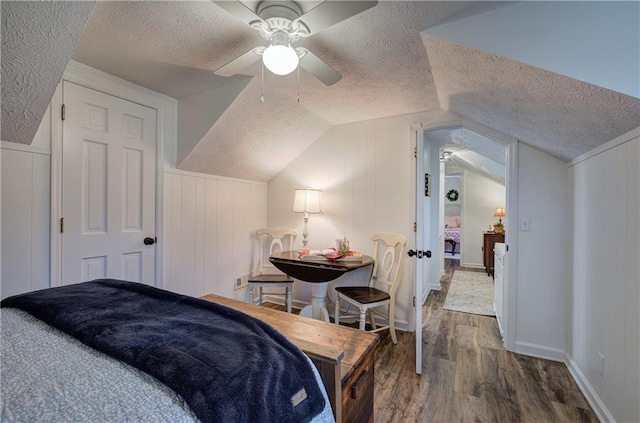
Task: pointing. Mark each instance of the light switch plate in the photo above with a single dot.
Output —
(525, 224)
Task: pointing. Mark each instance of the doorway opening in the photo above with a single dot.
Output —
(472, 185)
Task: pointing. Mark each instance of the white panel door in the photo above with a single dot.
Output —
(423, 235)
(108, 187)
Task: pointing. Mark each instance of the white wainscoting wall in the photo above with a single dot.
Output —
(25, 219)
(542, 254)
(606, 281)
(210, 223)
(25, 174)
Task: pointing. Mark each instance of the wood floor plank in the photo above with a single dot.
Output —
(468, 376)
(567, 413)
(467, 408)
(499, 390)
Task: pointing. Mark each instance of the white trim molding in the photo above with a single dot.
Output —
(540, 351)
(590, 394)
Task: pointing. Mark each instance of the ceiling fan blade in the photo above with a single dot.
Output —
(318, 68)
(331, 12)
(239, 63)
(239, 10)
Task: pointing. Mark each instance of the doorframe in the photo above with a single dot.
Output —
(447, 120)
(166, 141)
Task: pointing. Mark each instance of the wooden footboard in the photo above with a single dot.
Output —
(343, 356)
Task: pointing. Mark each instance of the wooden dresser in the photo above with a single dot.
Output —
(490, 239)
(345, 357)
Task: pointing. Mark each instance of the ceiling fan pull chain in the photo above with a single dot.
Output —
(262, 89)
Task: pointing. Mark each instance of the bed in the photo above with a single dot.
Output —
(452, 237)
(109, 350)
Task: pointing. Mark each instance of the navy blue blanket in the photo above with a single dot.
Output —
(228, 366)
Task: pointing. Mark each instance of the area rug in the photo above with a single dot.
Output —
(470, 292)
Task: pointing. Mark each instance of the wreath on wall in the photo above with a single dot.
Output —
(452, 195)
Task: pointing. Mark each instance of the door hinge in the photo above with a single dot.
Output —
(62, 225)
(415, 152)
(63, 112)
(415, 227)
(414, 301)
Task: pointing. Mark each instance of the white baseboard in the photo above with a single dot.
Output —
(472, 265)
(590, 394)
(541, 351)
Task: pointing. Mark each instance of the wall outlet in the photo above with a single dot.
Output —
(525, 224)
(240, 281)
(600, 366)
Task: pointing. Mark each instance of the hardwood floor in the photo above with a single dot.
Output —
(467, 375)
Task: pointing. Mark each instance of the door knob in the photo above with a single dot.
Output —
(150, 241)
(419, 253)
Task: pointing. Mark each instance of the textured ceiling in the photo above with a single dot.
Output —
(38, 39)
(389, 68)
(557, 114)
(173, 48)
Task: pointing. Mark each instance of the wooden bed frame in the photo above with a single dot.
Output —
(343, 356)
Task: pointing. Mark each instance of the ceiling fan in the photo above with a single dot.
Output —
(281, 24)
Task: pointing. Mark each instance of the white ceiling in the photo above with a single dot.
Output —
(389, 68)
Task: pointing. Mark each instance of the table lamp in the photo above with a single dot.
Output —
(499, 213)
(306, 201)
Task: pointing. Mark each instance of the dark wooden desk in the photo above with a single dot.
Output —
(345, 357)
(318, 272)
(490, 238)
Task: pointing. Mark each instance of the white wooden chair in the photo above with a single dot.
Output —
(382, 288)
(270, 241)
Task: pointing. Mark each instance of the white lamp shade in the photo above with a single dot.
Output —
(280, 59)
(307, 200)
(500, 212)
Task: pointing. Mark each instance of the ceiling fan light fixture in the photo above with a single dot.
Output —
(280, 58)
(445, 156)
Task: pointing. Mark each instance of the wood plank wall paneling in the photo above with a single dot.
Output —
(209, 227)
(606, 281)
(25, 221)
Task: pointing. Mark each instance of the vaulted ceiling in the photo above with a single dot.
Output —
(389, 66)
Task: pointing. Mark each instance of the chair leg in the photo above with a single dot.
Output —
(288, 300)
(260, 300)
(363, 316)
(250, 294)
(336, 319)
(372, 318)
(392, 324)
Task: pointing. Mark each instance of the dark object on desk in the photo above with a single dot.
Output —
(203, 351)
(490, 238)
(315, 270)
